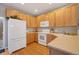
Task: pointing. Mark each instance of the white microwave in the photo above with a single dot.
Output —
(44, 24)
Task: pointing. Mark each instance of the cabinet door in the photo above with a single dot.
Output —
(59, 17)
(68, 16)
(33, 22)
(35, 36)
(52, 19)
(21, 16)
(71, 14)
(47, 17)
(38, 18)
(74, 15)
(28, 20)
(24, 17)
(11, 12)
(41, 18)
(30, 37)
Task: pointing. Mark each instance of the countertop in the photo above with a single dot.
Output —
(69, 43)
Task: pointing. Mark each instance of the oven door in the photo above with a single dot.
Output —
(42, 38)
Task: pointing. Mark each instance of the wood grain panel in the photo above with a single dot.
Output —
(59, 17)
(30, 37)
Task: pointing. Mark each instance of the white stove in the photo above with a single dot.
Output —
(42, 39)
(43, 31)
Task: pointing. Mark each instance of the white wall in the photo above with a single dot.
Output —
(5, 45)
(2, 11)
(5, 32)
(5, 28)
(1, 29)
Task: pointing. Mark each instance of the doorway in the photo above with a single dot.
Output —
(1, 33)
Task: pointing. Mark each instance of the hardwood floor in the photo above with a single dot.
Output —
(31, 49)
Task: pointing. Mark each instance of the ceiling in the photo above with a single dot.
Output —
(35, 8)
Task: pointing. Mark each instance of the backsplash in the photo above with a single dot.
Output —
(43, 29)
(31, 30)
(65, 30)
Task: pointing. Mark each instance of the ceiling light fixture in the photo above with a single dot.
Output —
(22, 3)
(50, 3)
(35, 10)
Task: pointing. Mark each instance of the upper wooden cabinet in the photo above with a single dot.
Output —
(65, 16)
(11, 12)
(68, 16)
(71, 15)
(59, 17)
(39, 19)
(74, 13)
(21, 16)
(30, 20)
(52, 19)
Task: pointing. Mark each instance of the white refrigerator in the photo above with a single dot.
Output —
(16, 34)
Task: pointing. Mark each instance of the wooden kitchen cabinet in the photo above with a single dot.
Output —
(44, 17)
(38, 18)
(67, 17)
(59, 17)
(74, 14)
(51, 19)
(31, 21)
(11, 12)
(71, 15)
(31, 37)
(21, 16)
(47, 17)
(36, 37)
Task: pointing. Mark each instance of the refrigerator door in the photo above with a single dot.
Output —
(16, 35)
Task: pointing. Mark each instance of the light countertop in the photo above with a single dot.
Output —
(69, 43)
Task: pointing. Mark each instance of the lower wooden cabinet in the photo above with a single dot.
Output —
(36, 37)
(31, 37)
